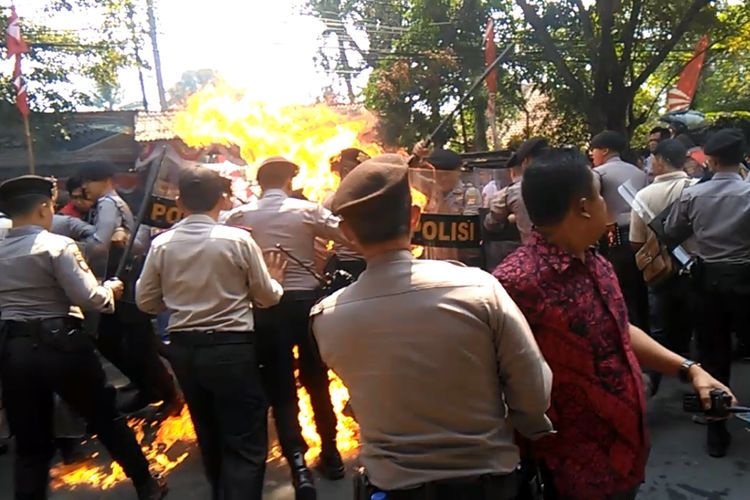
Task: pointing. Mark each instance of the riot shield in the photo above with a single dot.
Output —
(449, 228)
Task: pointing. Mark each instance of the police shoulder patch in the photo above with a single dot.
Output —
(80, 259)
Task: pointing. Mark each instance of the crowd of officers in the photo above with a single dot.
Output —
(441, 365)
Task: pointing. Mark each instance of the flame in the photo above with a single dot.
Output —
(307, 135)
(347, 429)
(419, 199)
(165, 445)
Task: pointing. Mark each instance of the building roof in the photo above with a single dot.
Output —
(155, 126)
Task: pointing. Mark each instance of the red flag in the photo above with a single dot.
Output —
(15, 42)
(22, 100)
(680, 97)
(490, 54)
(16, 47)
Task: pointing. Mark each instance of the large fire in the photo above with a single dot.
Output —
(309, 136)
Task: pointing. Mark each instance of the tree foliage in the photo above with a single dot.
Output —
(190, 82)
(69, 69)
(602, 64)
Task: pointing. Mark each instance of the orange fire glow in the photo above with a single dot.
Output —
(307, 135)
(165, 446)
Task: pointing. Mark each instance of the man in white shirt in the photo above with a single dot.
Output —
(671, 321)
(211, 277)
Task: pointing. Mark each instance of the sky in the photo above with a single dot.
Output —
(265, 47)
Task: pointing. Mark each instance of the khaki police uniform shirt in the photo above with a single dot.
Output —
(441, 367)
(342, 251)
(44, 275)
(278, 219)
(717, 212)
(208, 274)
(509, 201)
(613, 174)
(656, 197)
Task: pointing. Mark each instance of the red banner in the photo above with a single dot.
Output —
(16, 47)
(490, 54)
(680, 97)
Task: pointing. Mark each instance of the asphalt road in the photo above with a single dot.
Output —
(678, 468)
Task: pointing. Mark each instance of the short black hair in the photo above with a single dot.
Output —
(553, 182)
(662, 131)
(271, 178)
(24, 205)
(73, 183)
(200, 188)
(381, 219)
(673, 152)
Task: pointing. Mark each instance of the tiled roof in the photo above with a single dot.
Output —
(155, 126)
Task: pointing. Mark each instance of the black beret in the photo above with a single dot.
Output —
(445, 159)
(382, 177)
(609, 139)
(97, 172)
(201, 182)
(532, 148)
(278, 162)
(727, 144)
(672, 150)
(350, 157)
(24, 186)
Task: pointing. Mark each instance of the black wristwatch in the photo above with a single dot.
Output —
(684, 374)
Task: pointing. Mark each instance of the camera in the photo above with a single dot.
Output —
(721, 404)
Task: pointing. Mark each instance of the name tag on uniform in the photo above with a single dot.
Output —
(448, 231)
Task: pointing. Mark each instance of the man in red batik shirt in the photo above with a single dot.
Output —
(79, 205)
(572, 300)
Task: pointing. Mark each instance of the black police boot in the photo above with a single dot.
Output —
(329, 464)
(718, 438)
(155, 488)
(302, 478)
(71, 450)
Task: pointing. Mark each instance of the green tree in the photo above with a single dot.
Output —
(190, 83)
(66, 69)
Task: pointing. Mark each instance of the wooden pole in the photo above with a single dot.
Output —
(29, 143)
(493, 121)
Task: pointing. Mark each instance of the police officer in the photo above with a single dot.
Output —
(342, 164)
(606, 148)
(295, 224)
(717, 212)
(46, 283)
(432, 353)
(508, 202)
(126, 338)
(213, 350)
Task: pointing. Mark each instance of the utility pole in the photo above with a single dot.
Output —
(157, 57)
(137, 52)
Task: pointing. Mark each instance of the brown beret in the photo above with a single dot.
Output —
(278, 162)
(384, 176)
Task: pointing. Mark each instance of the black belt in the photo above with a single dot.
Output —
(211, 337)
(300, 295)
(488, 486)
(51, 326)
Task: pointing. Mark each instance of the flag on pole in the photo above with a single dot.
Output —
(17, 46)
(680, 97)
(490, 54)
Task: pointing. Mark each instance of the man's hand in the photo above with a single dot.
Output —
(704, 383)
(120, 237)
(422, 149)
(276, 263)
(117, 287)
